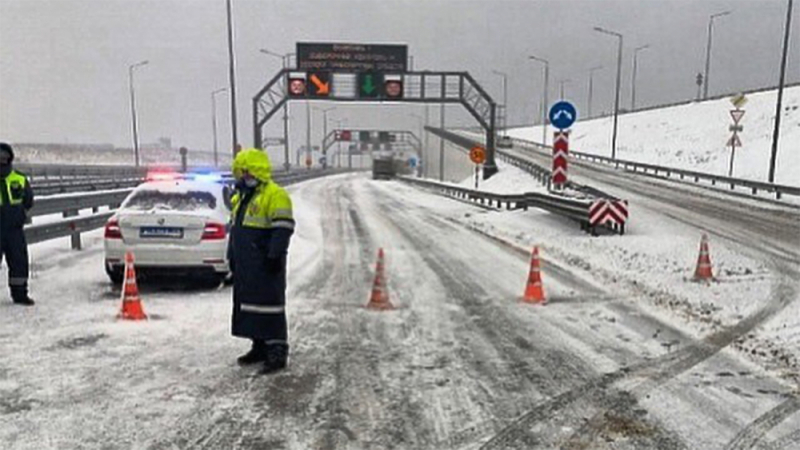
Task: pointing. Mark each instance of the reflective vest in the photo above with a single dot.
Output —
(14, 188)
(269, 208)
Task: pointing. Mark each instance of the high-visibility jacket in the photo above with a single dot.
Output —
(261, 227)
(16, 198)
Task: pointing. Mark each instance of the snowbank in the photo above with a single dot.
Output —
(694, 137)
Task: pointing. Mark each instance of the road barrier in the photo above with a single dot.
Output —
(670, 172)
(577, 209)
(609, 211)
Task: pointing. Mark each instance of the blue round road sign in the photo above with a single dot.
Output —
(563, 115)
(412, 162)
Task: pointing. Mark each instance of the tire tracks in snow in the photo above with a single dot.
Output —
(560, 370)
(752, 233)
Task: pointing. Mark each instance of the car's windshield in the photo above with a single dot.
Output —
(147, 199)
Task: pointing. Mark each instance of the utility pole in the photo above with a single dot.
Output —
(214, 122)
(505, 98)
(308, 132)
(324, 134)
(633, 78)
(544, 97)
(708, 49)
(441, 144)
(777, 130)
(591, 89)
(425, 139)
(562, 83)
(133, 111)
(619, 80)
(286, 62)
(232, 78)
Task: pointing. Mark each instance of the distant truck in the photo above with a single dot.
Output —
(383, 169)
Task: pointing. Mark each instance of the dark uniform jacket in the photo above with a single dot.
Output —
(262, 225)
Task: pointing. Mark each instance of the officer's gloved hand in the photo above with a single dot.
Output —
(274, 265)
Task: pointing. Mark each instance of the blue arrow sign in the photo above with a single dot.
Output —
(412, 162)
(563, 115)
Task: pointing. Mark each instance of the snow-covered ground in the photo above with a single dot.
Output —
(694, 137)
(615, 359)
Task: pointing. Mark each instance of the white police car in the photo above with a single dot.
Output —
(173, 224)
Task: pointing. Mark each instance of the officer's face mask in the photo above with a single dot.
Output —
(247, 182)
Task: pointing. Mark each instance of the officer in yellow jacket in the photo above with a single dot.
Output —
(16, 198)
(262, 225)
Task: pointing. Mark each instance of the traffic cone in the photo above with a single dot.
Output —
(131, 303)
(703, 270)
(380, 294)
(534, 293)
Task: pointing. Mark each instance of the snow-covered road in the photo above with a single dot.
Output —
(461, 363)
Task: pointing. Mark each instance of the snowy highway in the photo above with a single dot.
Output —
(627, 353)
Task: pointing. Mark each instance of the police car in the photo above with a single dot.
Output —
(171, 223)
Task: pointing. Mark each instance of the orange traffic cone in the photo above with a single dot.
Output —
(380, 294)
(131, 303)
(703, 270)
(534, 293)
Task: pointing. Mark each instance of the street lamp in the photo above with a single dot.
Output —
(777, 129)
(286, 62)
(232, 79)
(214, 121)
(425, 158)
(562, 83)
(619, 79)
(708, 49)
(339, 124)
(133, 110)
(633, 78)
(324, 133)
(505, 98)
(591, 89)
(544, 98)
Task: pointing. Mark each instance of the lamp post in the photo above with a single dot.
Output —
(591, 89)
(421, 129)
(708, 49)
(339, 124)
(324, 133)
(232, 79)
(633, 77)
(562, 83)
(505, 97)
(544, 97)
(776, 131)
(214, 122)
(619, 79)
(286, 62)
(133, 110)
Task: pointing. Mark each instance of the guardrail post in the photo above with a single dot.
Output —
(74, 237)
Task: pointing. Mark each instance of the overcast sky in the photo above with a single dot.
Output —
(64, 63)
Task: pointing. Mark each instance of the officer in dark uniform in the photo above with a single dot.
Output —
(16, 198)
(262, 225)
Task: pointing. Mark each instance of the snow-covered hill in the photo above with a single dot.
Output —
(694, 137)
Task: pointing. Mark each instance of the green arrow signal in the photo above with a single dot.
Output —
(369, 84)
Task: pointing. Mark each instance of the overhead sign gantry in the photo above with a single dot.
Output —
(368, 73)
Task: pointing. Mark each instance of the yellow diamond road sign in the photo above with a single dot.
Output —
(739, 100)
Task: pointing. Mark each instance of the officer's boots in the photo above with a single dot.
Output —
(20, 297)
(277, 356)
(257, 354)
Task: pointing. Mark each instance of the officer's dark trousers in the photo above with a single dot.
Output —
(15, 250)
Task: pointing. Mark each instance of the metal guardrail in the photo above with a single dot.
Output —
(668, 172)
(71, 204)
(575, 209)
